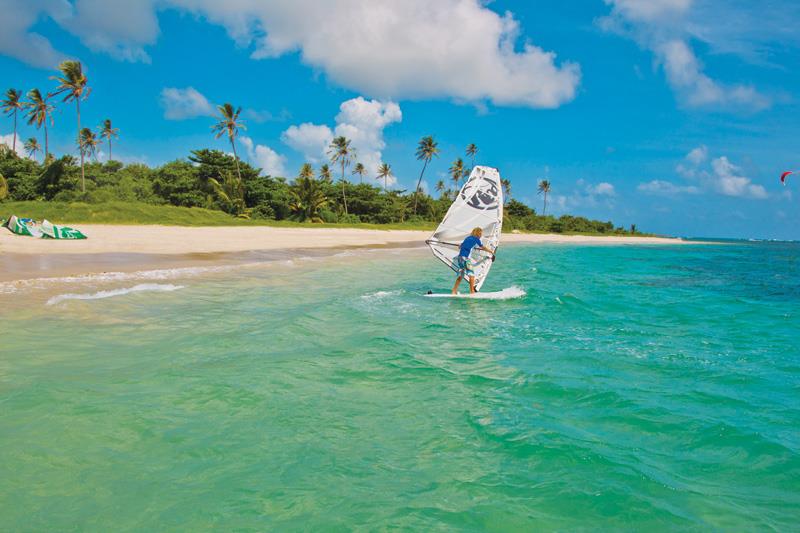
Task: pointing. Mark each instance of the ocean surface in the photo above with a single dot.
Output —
(618, 387)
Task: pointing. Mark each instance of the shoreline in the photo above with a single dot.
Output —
(134, 248)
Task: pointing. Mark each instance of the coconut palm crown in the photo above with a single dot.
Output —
(39, 111)
(32, 147)
(427, 149)
(340, 151)
(229, 124)
(544, 188)
(384, 173)
(108, 132)
(11, 104)
(74, 85)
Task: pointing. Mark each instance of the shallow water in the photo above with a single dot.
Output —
(630, 387)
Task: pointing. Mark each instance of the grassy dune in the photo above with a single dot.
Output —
(165, 215)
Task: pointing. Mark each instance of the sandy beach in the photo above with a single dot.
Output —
(112, 248)
(175, 240)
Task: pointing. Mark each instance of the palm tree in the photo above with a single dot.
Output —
(341, 152)
(427, 149)
(325, 173)
(39, 111)
(306, 171)
(229, 125)
(384, 173)
(12, 103)
(544, 188)
(32, 146)
(308, 199)
(440, 188)
(74, 84)
(230, 193)
(108, 131)
(472, 151)
(360, 169)
(506, 184)
(457, 171)
(87, 143)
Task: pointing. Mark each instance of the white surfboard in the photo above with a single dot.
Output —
(509, 293)
(479, 203)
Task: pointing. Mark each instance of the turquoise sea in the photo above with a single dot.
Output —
(630, 388)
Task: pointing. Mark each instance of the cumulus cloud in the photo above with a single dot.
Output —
(8, 140)
(665, 27)
(182, 104)
(718, 175)
(360, 120)
(585, 194)
(457, 49)
(666, 188)
(270, 161)
(730, 183)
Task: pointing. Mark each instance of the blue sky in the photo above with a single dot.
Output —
(675, 115)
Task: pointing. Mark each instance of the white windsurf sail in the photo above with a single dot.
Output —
(479, 204)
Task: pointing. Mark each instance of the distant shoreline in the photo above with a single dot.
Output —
(129, 248)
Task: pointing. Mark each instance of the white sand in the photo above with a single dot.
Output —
(187, 240)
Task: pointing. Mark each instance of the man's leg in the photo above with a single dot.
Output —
(472, 284)
(455, 287)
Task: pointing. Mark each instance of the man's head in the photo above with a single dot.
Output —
(477, 232)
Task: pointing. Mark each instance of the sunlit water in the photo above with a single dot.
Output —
(630, 387)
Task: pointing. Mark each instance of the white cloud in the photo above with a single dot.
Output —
(270, 161)
(602, 189)
(457, 49)
(119, 29)
(585, 194)
(666, 188)
(181, 104)
(8, 140)
(360, 120)
(666, 28)
(309, 139)
(698, 155)
(729, 183)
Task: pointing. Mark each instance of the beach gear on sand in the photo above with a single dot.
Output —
(479, 203)
(51, 231)
(47, 230)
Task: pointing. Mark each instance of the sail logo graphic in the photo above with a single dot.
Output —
(480, 193)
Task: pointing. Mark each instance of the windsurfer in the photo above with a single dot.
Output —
(464, 262)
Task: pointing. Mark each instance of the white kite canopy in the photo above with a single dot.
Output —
(478, 204)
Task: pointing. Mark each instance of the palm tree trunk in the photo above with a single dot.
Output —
(419, 181)
(544, 212)
(385, 182)
(46, 152)
(14, 143)
(83, 175)
(344, 193)
(235, 158)
(109, 149)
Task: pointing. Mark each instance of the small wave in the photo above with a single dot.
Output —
(142, 287)
(509, 293)
(380, 295)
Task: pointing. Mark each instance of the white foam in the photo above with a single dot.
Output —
(142, 287)
(380, 295)
(508, 293)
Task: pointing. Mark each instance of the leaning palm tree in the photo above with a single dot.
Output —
(341, 152)
(39, 112)
(3, 188)
(472, 151)
(74, 85)
(229, 125)
(427, 149)
(308, 199)
(230, 194)
(32, 146)
(440, 188)
(108, 132)
(325, 173)
(87, 143)
(506, 184)
(11, 104)
(544, 188)
(306, 171)
(384, 173)
(457, 171)
(360, 169)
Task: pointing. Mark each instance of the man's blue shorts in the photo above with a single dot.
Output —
(465, 267)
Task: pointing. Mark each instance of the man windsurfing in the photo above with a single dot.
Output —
(464, 261)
